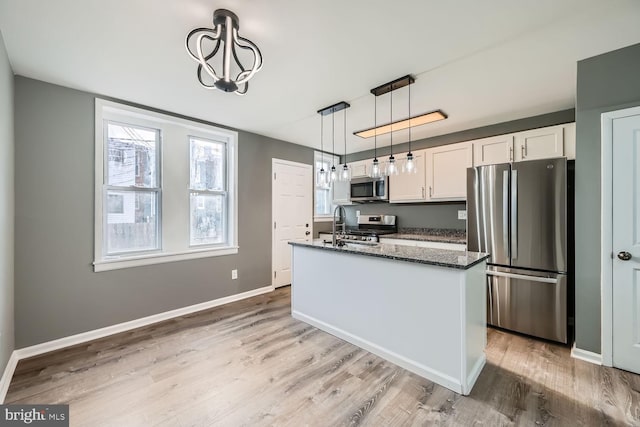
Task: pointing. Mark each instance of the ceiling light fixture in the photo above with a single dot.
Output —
(392, 168)
(392, 126)
(345, 175)
(409, 165)
(225, 31)
(332, 109)
(376, 172)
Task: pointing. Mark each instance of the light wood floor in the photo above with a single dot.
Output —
(249, 363)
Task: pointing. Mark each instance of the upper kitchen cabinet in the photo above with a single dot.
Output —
(447, 171)
(341, 192)
(570, 140)
(540, 143)
(360, 168)
(493, 150)
(409, 187)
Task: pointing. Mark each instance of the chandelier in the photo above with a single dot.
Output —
(225, 35)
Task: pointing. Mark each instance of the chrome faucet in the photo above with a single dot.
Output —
(343, 214)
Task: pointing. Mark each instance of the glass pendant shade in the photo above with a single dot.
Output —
(333, 175)
(321, 179)
(409, 164)
(376, 171)
(345, 173)
(392, 167)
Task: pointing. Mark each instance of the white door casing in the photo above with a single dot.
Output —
(292, 214)
(620, 280)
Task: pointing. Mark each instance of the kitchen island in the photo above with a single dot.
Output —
(423, 309)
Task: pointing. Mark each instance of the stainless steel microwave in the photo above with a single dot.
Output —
(370, 189)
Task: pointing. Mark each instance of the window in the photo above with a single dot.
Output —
(144, 163)
(323, 197)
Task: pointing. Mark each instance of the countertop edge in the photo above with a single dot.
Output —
(393, 257)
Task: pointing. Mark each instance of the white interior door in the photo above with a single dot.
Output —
(292, 214)
(626, 243)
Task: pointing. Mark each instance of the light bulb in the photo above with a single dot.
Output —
(375, 169)
(409, 165)
(334, 174)
(322, 177)
(392, 168)
(345, 175)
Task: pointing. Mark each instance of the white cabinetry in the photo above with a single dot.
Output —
(570, 140)
(447, 171)
(493, 150)
(360, 168)
(341, 192)
(409, 187)
(541, 143)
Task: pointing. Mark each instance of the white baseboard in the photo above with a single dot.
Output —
(7, 375)
(83, 337)
(408, 364)
(474, 374)
(587, 356)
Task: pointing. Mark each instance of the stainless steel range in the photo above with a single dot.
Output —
(370, 226)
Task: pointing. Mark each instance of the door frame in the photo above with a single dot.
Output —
(274, 162)
(606, 236)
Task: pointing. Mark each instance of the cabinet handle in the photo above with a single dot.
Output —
(423, 192)
(511, 153)
(430, 192)
(523, 150)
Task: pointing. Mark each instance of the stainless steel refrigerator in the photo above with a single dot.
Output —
(518, 213)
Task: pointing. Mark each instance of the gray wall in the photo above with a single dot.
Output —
(6, 208)
(445, 215)
(57, 292)
(606, 82)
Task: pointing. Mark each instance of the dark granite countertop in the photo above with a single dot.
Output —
(430, 235)
(439, 257)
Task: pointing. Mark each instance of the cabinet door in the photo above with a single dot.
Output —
(570, 141)
(542, 143)
(494, 150)
(360, 168)
(406, 187)
(447, 171)
(341, 192)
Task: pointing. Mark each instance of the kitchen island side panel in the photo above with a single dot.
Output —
(408, 313)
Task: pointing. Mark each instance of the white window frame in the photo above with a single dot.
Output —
(174, 172)
(317, 157)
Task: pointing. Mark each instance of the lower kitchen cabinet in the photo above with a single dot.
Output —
(447, 171)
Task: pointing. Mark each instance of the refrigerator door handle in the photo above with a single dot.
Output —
(522, 276)
(514, 214)
(505, 212)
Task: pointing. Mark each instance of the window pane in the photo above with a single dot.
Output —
(323, 201)
(131, 155)
(208, 219)
(207, 165)
(132, 221)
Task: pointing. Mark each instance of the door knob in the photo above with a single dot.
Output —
(624, 256)
(306, 233)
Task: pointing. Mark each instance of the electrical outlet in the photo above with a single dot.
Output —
(234, 274)
(462, 214)
(358, 213)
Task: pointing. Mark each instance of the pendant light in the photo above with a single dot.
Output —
(409, 165)
(325, 176)
(333, 175)
(392, 168)
(321, 179)
(376, 172)
(345, 174)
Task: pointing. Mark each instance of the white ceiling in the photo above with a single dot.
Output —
(481, 62)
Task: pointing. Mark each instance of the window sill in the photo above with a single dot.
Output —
(322, 219)
(115, 263)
